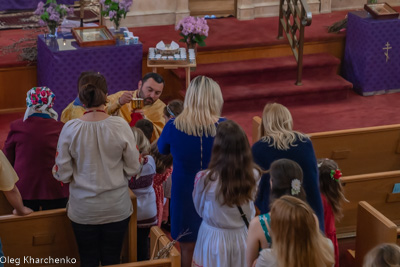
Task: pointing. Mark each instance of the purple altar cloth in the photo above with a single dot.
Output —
(26, 4)
(59, 66)
(365, 63)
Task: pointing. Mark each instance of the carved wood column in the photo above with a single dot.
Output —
(182, 10)
(245, 9)
(326, 6)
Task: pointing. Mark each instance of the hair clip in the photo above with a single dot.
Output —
(170, 111)
(336, 174)
(296, 186)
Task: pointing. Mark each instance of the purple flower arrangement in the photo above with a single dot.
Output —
(115, 10)
(52, 14)
(193, 30)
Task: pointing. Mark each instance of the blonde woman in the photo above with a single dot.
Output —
(279, 140)
(296, 239)
(189, 138)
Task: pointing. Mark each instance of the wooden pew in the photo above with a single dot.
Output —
(357, 151)
(373, 228)
(5, 207)
(158, 240)
(49, 233)
(374, 188)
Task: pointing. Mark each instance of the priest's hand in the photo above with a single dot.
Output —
(125, 98)
(140, 111)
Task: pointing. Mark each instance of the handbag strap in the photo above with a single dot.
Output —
(243, 216)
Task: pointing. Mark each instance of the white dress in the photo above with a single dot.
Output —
(221, 240)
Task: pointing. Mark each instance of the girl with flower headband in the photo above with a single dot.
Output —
(30, 147)
(286, 178)
(332, 198)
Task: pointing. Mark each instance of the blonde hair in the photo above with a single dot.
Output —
(296, 239)
(384, 255)
(142, 142)
(277, 127)
(203, 103)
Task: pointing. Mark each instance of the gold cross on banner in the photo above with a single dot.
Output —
(387, 47)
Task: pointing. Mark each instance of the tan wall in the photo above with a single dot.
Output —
(154, 12)
(251, 9)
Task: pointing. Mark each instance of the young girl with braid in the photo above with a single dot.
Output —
(286, 178)
(332, 198)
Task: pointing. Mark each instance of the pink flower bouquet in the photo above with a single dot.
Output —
(193, 30)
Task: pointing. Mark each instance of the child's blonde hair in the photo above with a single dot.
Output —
(384, 255)
(331, 186)
(142, 142)
(296, 239)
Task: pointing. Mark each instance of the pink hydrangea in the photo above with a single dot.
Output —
(193, 29)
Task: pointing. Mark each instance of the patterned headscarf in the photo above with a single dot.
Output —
(40, 99)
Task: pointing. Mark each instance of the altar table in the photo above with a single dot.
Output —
(372, 54)
(61, 61)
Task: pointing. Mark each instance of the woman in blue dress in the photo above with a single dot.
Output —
(189, 138)
(278, 141)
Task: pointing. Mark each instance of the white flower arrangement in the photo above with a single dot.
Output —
(296, 185)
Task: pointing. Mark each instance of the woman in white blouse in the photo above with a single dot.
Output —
(97, 155)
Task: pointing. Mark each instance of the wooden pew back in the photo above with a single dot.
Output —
(49, 233)
(5, 207)
(158, 240)
(360, 151)
(374, 188)
(373, 228)
(357, 151)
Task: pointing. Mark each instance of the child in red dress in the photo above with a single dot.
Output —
(332, 197)
(163, 171)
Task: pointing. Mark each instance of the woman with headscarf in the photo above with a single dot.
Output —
(31, 146)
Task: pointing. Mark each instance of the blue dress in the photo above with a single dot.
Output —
(186, 152)
(303, 153)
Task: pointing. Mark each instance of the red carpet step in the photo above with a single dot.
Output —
(252, 83)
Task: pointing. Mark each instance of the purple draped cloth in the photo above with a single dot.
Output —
(365, 63)
(59, 67)
(26, 4)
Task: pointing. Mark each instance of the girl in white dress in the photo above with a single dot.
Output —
(228, 184)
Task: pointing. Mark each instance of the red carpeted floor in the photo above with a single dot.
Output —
(225, 33)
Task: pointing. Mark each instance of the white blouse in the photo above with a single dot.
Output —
(97, 158)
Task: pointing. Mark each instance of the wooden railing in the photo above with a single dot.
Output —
(294, 16)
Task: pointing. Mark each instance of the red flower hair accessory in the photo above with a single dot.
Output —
(336, 174)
